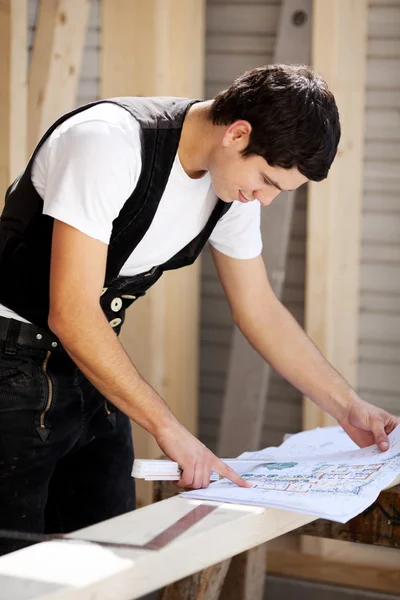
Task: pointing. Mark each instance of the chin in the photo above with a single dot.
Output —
(224, 196)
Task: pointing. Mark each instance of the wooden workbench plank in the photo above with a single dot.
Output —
(124, 574)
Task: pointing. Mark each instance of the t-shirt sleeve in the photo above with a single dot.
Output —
(92, 169)
(238, 232)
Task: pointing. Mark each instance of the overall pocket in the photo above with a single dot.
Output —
(14, 367)
(21, 394)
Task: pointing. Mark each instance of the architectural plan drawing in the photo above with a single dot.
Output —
(320, 472)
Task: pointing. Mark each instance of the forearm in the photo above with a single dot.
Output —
(96, 350)
(276, 335)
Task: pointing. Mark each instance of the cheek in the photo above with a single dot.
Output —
(224, 176)
(230, 174)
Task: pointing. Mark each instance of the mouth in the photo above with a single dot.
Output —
(243, 198)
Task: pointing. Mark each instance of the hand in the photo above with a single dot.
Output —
(367, 424)
(194, 458)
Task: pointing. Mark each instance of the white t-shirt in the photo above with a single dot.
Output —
(90, 165)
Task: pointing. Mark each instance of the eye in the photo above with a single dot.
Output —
(266, 181)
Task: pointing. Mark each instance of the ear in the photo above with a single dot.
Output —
(237, 133)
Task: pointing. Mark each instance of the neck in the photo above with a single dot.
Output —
(196, 140)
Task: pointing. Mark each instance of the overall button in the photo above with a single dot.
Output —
(128, 297)
(116, 304)
(54, 344)
(115, 322)
(39, 336)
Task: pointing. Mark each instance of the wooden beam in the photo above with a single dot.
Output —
(13, 90)
(157, 48)
(56, 62)
(334, 206)
(339, 54)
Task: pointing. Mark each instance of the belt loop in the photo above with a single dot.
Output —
(14, 327)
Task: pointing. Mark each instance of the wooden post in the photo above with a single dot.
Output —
(204, 585)
(157, 48)
(13, 90)
(334, 206)
(245, 579)
(56, 62)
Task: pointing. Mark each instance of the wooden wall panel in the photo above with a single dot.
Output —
(334, 205)
(13, 90)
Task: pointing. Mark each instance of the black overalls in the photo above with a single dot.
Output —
(65, 453)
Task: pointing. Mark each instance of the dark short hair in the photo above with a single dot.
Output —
(294, 117)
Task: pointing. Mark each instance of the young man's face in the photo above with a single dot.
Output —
(235, 177)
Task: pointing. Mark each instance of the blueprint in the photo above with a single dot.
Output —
(319, 472)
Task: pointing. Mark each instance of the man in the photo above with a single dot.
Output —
(116, 193)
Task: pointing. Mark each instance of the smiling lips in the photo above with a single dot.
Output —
(243, 198)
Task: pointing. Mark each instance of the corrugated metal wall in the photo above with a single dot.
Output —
(241, 35)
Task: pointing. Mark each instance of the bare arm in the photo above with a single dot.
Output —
(76, 280)
(276, 335)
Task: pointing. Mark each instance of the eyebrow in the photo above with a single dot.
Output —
(275, 184)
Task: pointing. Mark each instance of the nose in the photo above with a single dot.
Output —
(265, 196)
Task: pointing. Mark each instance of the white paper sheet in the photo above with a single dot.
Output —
(320, 472)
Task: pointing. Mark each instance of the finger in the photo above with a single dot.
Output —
(381, 439)
(198, 478)
(206, 479)
(187, 477)
(222, 469)
(392, 424)
(360, 437)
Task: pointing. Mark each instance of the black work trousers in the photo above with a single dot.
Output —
(66, 453)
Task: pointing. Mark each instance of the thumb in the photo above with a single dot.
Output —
(381, 439)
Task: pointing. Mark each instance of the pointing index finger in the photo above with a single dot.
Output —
(222, 469)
